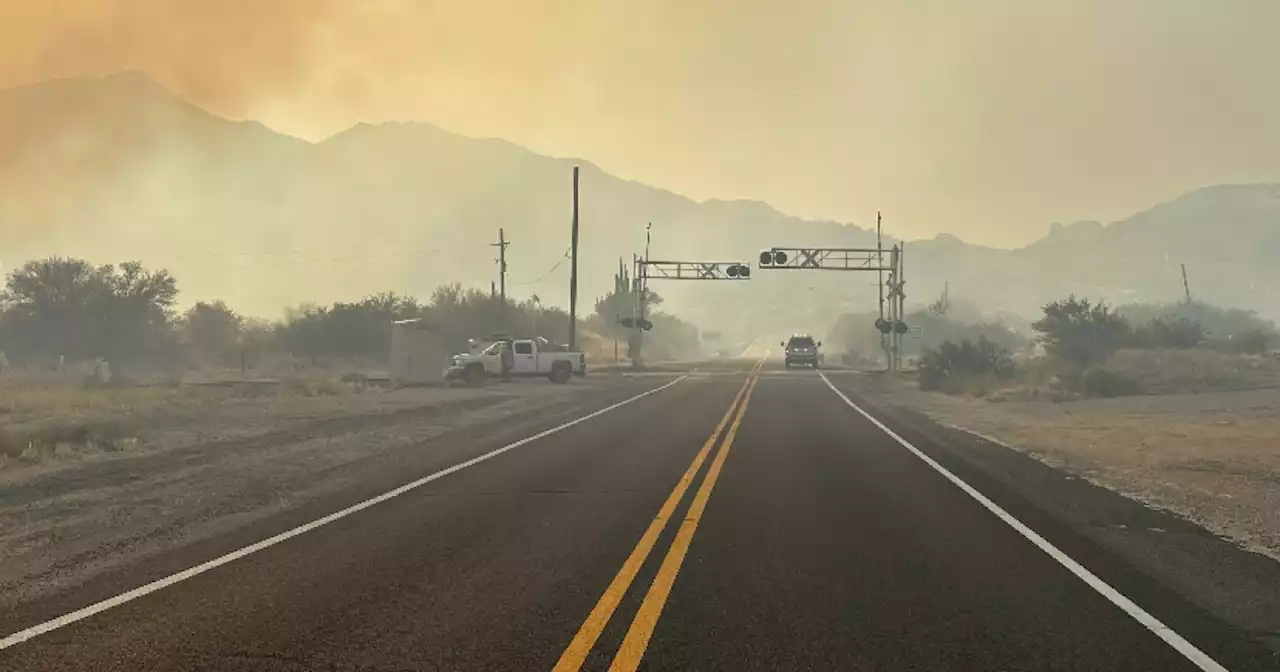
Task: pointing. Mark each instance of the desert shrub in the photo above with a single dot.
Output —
(967, 366)
(1177, 333)
(1082, 333)
(1220, 323)
(1252, 342)
(1100, 382)
(1196, 370)
(10, 444)
(314, 387)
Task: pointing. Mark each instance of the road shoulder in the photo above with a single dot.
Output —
(1239, 587)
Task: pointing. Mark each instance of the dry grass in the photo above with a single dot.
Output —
(1212, 457)
(45, 415)
(1190, 371)
(1132, 373)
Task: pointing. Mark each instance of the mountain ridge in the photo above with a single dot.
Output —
(118, 167)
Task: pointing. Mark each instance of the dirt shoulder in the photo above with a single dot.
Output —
(195, 469)
(1212, 458)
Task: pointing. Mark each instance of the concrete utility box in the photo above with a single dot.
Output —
(417, 355)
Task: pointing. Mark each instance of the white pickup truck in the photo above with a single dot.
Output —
(531, 357)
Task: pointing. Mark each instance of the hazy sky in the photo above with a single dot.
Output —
(985, 118)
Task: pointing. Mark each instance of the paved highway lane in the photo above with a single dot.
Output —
(726, 522)
(828, 546)
(483, 569)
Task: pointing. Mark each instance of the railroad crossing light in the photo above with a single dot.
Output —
(627, 322)
(738, 271)
(901, 327)
(731, 271)
(644, 324)
(883, 325)
(773, 258)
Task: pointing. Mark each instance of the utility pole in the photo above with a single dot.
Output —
(1186, 286)
(502, 278)
(573, 270)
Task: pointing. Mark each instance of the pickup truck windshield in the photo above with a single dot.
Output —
(800, 343)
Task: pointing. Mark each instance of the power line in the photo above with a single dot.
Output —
(546, 275)
(302, 254)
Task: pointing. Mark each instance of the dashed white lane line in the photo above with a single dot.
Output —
(123, 598)
(1178, 642)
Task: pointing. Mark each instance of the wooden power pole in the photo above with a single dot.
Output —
(573, 269)
(502, 277)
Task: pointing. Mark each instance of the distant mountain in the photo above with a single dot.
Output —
(1228, 236)
(118, 167)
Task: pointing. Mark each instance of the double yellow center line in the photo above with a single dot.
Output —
(637, 638)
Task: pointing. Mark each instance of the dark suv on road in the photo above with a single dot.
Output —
(802, 350)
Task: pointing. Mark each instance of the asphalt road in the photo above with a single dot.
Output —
(730, 521)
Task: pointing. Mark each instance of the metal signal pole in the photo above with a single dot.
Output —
(884, 340)
(642, 287)
(880, 261)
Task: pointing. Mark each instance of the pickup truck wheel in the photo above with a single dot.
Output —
(473, 375)
(560, 374)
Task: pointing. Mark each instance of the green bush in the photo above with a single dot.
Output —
(1173, 333)
(1099, 382)
(1082, 333)
(967, 366)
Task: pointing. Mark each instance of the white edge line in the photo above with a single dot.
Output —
(110, 603)
(1172, 638)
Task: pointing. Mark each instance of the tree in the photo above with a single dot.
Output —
(135, 311)
(68, 307)
(213, 332)
(47, 305)
(1081, 332)
(346, 330)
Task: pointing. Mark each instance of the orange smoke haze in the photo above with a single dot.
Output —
(224, 54)
(986, 119)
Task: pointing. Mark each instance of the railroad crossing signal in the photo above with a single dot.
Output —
(854, 259)
(632, 323)
(892, 326)
(823, 259)
(694, 270)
